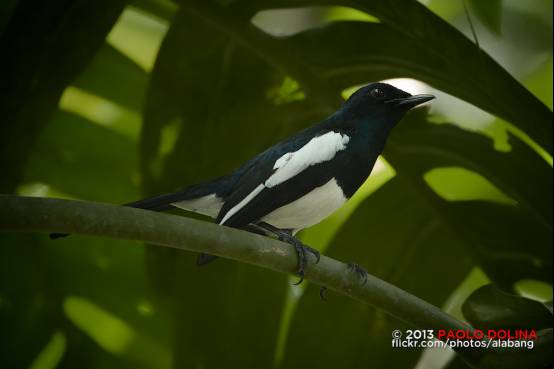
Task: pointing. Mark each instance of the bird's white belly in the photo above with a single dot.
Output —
(308, 210)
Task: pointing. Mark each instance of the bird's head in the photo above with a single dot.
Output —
(383, 103)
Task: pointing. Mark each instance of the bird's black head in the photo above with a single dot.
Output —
(382, 102)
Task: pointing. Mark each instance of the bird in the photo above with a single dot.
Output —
(302, 180)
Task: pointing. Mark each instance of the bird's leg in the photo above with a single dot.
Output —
(254, 228)
(360, 270)
(285, 235)
(322, 295)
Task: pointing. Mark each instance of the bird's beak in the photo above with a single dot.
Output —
(410, 101)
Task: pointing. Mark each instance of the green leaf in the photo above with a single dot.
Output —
(84, 160)
(509, 243)
(489, 13)
(35, 286)
(520, 173)
(46, 54)
(6, 12)
(457, 363)
(164, 9)
(540, 357)
(28, 312)
(115, 77)
(388, 53)
(491, 308)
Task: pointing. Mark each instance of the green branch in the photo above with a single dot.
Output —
(30, 214)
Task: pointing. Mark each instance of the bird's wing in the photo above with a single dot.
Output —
(283, 176)
(208, 197)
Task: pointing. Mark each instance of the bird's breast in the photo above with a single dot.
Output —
(309, 209)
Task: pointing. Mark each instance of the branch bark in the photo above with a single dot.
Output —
(31, 214)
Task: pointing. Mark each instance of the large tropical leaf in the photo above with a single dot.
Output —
(48, 45)
(39, 297)
(114, 77)
(520, 173)
(68, 157)
(409, 40)
(490, 308)
(489, 13)
(509, 242)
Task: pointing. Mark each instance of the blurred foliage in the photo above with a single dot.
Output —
(48, 45)
(491, 308)
(110, 101)
(488, 307)
(489, 12)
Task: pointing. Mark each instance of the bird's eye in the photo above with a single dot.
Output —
(377, 93)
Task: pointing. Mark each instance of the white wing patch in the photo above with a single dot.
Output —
(318, 150)
(279, 163)
(208, 205)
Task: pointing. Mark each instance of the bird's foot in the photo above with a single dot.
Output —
(353, 267)
(322, 295)
(359, 270)
(302, 251)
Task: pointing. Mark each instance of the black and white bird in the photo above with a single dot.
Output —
(300, 181)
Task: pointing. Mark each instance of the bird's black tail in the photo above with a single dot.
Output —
(55, 236)
(159, 203)
(164, 202)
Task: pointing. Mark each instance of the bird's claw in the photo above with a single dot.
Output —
(301, 251)
(322, 291)
(360, 270)
(314, 252)
(299, 247)
(353, 267)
